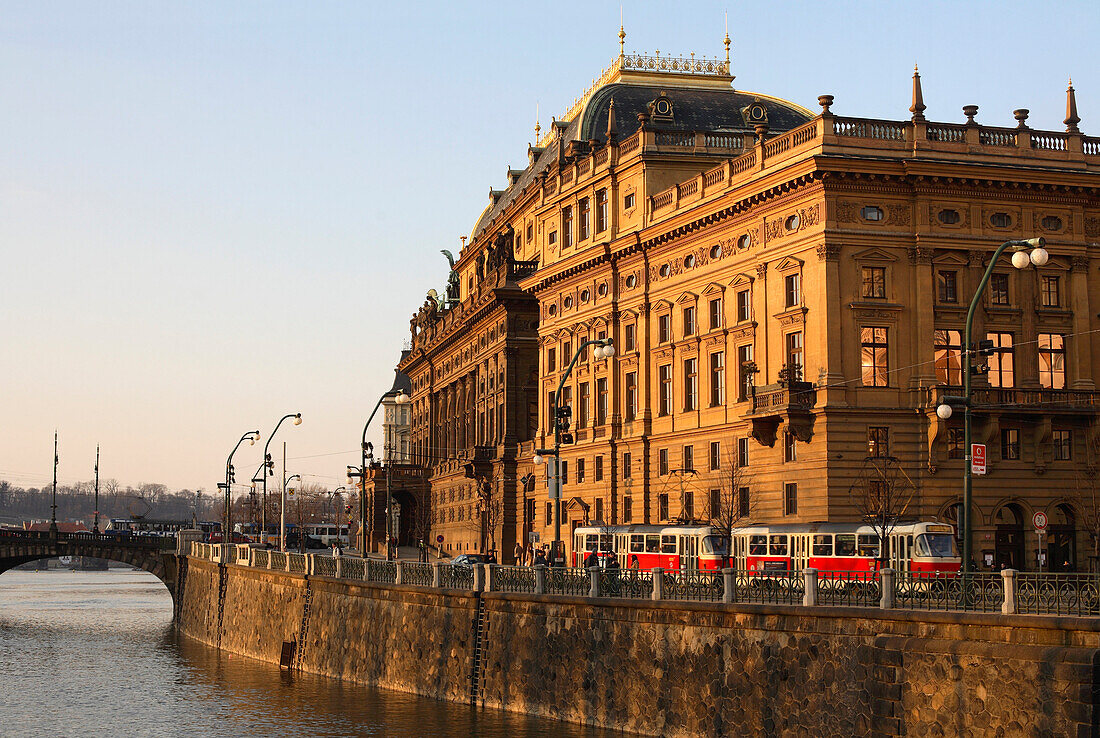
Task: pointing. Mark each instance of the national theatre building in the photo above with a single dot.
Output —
(786, 290)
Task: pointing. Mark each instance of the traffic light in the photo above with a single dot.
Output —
(565, 413)
(347, 509)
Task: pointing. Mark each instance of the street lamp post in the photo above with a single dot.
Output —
(269, 469)
(53, 499)
(95, 524)
(402, 398)
(339, 510)
(251, 437)
(282, 512)
(1021, 259)
(605, 349)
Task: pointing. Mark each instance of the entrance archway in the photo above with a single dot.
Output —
(1009, 546)
(1062, 539)
(407, 519)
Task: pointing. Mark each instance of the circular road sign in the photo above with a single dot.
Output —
(1040, 520)
(439, 538)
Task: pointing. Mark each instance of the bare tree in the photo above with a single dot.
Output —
(1086, 496)
(882, 494)
(732, 502)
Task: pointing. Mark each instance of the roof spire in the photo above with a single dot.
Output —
(727, 42)
(918, 107)
(1072, 119)
(622, 33)
(612, 131)
(538, 128)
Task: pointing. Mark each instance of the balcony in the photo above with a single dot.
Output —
(774, 404)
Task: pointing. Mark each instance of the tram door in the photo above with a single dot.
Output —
(800, 553)
(689, 551)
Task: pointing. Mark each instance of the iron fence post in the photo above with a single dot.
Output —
(809, 595)
(593, 581)
(437, 574)
(658, 583)
(886, 596)
(399, 578)
(729, 582)
(540, 579)
(479, 577)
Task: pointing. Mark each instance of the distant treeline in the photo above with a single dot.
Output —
(77, 502)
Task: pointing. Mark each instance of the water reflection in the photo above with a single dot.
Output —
(94, 654)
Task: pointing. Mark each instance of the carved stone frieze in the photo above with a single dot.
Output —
(828, 252)
(920, 254)
(1092, 227)
(898, 215)
(1079, 264)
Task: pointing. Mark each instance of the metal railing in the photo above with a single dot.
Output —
(261, 558)
(456, 577)
(324, 566)
(693, 586)
(383, 572)
(416, 572)
(353, 568)
(633, 584)
(278, 560)
(849, 588)
(297, 563)
(924, 591)
(1057, 594)
(512, 579)
(567, 581)
(768, 587)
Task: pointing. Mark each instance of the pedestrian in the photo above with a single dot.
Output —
(492, 557)
(540, 557)
(517, 554)
(613, 575)
(591, 560)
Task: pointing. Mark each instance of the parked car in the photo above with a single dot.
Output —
(468, 559)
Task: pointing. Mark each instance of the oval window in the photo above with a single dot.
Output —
(1052, 223)
(567, 302)
(665, 270)
(631, 281)
(744, 242)
(792, 222)
(871, 213)
(585, 294)
(716, 251)
(689, 261)
(1000, 220)
(948, 217)
(602, 290)
(553, 309)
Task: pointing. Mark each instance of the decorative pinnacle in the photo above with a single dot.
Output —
(918, 107)
(622, 33)
(1072, 119)
(727, 41)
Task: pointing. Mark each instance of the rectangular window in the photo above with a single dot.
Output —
(601, 211)
(715, 455)
(567, 399)
(689, 459)
(947, 347)
(630, 396)
(1001, 370)
(582, 352)
(599, 509)
(792, 289)
(742, 452)
(664, 379)
(567, 225)
(744, 372)
(715, 503)
(549, 513)
(689, 321)
(955, 443)
(1050, 292)
(530, 235)
(718, 378)
(794, 354)
(549, 411)
(601, 401)
(628, 201)
(878, 441)
(597, 472)
(580, 471)
(552, 360)
(664, 328)
(564, 471)
(716, 313)
(1052, 361)
(1063, 445)
(790, 451)
(1010, 444)
(691, 384)
(582, 405)
(689, 506)
(626, 465)
(742, 502)
(744, 306)
(790, 499)
(874, 283)
(998, 289)
(947, 286)
(553, 237)
(662, 507)
(583, 216)
(566, 353)
(874, 349)
(628, 509)
(628, 337)
(662, 461)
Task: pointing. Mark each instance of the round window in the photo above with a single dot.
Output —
(553, 309)
(689, 261)
(665, 270)
(1052, 223)
(948, 217)
(585, 295)
(631, 281)
(871, 213)
(567, 302)
(745, 241)
(792, 222)
(602, 290)
(716, 251)
(1000, 220)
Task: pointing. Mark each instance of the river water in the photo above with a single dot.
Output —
(89, 654)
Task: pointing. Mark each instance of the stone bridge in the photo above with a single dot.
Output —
(155, 554)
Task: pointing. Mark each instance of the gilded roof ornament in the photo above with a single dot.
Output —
(1072, 119)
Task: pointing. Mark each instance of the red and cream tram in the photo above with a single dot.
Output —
(924, 547)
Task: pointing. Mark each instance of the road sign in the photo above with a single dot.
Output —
(1039, 519)
(534, 536)
(977, 458)
(439, 538)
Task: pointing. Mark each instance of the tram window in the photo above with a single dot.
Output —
(605, 543)
(590, 542)
(668, 544)
(758, 545)
(823, 544)
(637, 544)
(777, 546)
(846, 544)
(867, 545)
(714, 545)
(653, 544)
(936, 544)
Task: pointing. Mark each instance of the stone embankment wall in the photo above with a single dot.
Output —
(671, 668)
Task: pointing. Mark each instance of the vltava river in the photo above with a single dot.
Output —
(89, 654)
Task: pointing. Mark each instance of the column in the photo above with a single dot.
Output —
(1080, 346)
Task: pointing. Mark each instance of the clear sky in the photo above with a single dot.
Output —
(215, 213)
